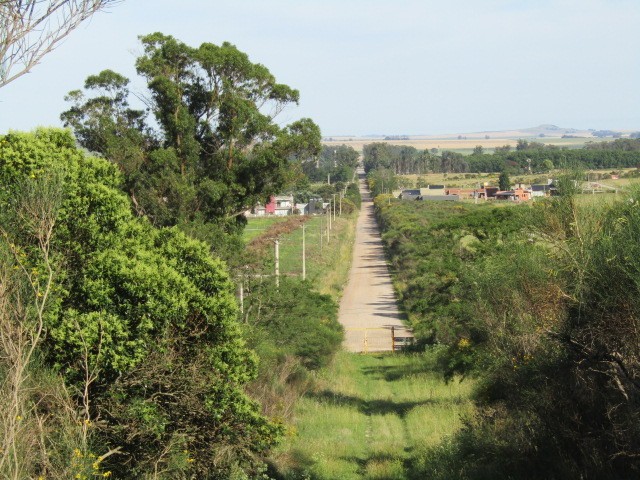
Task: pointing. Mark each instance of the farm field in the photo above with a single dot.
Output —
(368, 415)
(464, 146)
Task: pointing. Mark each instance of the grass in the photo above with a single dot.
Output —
(258, 225)
(367, 415)
(327, 264)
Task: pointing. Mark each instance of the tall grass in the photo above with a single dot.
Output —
(367, 414)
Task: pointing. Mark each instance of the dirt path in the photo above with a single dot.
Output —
(368, 309)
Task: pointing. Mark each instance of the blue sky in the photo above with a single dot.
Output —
(381, 66)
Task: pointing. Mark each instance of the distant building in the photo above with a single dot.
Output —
(515, 195)
(433, 190)
(410, 195)
(280, 205)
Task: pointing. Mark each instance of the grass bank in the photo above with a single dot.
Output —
(328, 256)
(368, 416)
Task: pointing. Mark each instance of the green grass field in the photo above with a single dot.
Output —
(258, 225)
(368, 415)
(327, 260)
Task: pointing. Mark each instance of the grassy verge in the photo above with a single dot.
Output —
(366, 416)
(327, 262)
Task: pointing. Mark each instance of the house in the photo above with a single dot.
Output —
(410, 195)
(301, 209)
(280, 205)
(463, 192)
(283, 205)
(487, 192)
(515, 195)
(544, 190)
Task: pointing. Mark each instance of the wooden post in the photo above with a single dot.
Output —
(321, 235)
(393, 338)
(304, 259)
(241, 296)
(277, 263)
(334, 207)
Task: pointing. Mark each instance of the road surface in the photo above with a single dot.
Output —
(368, 308)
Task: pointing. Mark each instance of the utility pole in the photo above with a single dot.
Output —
(304, 259)
(277, 263)
(334, 206)
(329, 225)
(321, 235)
(340, 204)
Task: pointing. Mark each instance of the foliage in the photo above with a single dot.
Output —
(528, 156)
(381, 180)
(218, 150)
(504, 183)
(429, 249)
(542, 308)
(338, 163)
(128, 294)
(294, 320)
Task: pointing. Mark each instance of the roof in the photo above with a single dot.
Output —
(542, 188)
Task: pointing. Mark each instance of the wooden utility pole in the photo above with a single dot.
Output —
(277, 263)
(321, 235)
(334, 207)
(304, 256)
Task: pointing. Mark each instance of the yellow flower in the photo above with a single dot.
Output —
(464, 343)
(106, 474)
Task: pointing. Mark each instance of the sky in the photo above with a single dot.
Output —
(385, 67)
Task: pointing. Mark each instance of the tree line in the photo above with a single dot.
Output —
(527, 157)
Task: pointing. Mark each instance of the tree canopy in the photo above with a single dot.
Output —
(217, 149)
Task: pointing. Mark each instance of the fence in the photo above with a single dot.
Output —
(378, 339)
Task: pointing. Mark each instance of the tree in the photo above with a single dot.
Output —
(478, 150)
(547, 165)
(504, 183)
(218, 150)
(125, 289)
(30, 29)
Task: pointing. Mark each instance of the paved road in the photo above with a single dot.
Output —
(368, 307)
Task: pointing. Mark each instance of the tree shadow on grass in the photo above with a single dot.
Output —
(369, 407)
